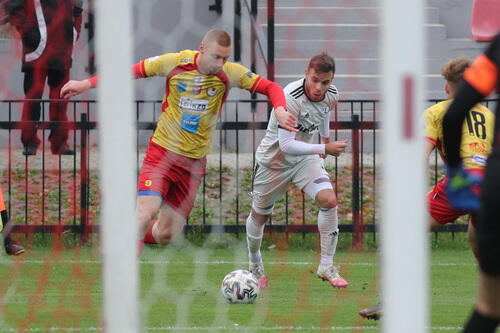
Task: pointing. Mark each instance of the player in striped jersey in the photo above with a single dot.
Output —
(285, 157)
(197, 84)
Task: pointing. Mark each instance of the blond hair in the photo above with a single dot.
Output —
(453, 71)
(220, 36)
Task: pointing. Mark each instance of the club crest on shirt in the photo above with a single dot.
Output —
(196, 90)
(148, 182)
(211, 91)
(199, 79)
(181, 86)
(325, 110)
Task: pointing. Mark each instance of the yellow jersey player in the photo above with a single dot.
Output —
(477, 132)
(480, 80)
(197, 84)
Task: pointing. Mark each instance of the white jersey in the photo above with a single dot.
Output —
(311, 116)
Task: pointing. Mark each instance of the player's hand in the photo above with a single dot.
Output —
(285, 119)
(335, 148)
(72, 88)
(462, 189)
(323, 156)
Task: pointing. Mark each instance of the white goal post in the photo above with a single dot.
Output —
(117, 145)
(404, 228)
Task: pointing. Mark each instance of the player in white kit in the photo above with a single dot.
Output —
(285, 158)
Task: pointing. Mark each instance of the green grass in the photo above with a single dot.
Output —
(59, 285)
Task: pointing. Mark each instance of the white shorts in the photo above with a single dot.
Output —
(270, 185)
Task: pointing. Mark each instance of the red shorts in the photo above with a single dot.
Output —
(171, 176)
(440, 209)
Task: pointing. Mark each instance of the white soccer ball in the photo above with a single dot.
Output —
(240, 287)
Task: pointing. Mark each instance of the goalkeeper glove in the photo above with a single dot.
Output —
(463, 189)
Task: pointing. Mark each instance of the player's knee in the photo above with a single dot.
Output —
(259, 218)
(145, 215)
(166, 236)
(326, 201)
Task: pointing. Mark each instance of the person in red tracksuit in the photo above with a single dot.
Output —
(48, 30)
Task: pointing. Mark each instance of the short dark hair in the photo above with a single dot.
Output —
(453, 71)
(220, 36)
(322, 63)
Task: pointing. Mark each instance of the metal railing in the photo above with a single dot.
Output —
(68, 197)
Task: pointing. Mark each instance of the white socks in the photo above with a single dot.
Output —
(328, 230)
(254, 239)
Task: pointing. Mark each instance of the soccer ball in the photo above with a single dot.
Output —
(240, 287)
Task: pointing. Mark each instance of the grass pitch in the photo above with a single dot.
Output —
(58, 288)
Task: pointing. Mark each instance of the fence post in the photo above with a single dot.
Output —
(270, 47)
(83, 179)
(358, 227)
(253, 39)
(237, 30)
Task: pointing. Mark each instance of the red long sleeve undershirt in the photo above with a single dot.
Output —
(272, 90)
(136, 69)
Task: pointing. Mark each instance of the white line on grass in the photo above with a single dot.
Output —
(226, 328)
(215, 262)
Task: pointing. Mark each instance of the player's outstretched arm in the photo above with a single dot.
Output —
(73, 88)
(335, 148)
(275, 93)
(285, 119)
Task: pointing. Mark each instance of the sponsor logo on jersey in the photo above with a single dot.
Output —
(478, 147)
(249, 74)
(199, 79)
(196, 90)
(307, 130)
(186, 60)
(211, 91)
(148, 182)
(190, 122)
(181, 86)
(478, 159)
(150, 60)
(193, 104)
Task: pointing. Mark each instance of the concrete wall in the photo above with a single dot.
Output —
(455, 15)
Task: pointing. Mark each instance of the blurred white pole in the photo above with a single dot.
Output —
(404, 228)
(117, 173)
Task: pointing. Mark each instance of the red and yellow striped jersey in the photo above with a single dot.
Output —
(192, 101)
(477, 133)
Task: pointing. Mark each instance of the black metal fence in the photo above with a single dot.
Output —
(50, 193)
